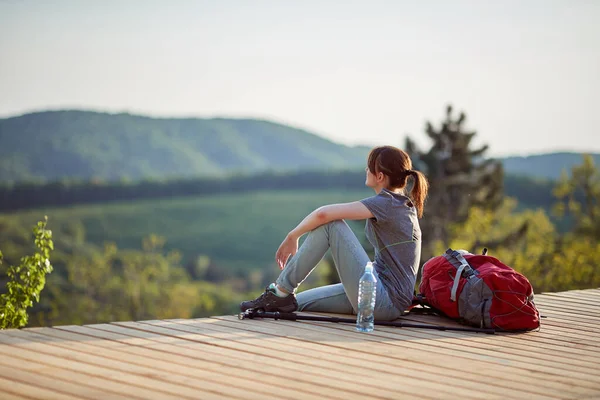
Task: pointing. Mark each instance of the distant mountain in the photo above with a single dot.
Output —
(53, 145)
(85, 145)
(548, 166)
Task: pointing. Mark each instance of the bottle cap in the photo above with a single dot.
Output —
(369, 267)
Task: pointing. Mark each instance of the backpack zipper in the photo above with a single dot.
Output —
(482, 313)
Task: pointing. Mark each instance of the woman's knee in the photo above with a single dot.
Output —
(338, 225)
(335, 224)
(332, 227)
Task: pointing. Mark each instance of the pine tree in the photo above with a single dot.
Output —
(459, 177)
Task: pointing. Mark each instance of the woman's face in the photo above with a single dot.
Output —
(371, 180)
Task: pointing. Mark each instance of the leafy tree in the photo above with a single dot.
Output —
(114, 284)
(491, 228)
(551, 261)
(460, 178)
(26, 280)
(574, 264)
(575, 261)
(579, 196)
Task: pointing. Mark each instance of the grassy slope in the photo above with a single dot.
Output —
(82, 144)
(239, 231)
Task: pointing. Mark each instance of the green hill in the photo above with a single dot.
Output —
(87, 145)
(54, 145)
(548, 166)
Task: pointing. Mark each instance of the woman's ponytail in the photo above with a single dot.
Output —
(419, 190)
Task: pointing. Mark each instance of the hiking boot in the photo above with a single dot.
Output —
(270, 302)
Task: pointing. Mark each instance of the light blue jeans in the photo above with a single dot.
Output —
(350, 259)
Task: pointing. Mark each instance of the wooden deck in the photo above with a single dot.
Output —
(225, 358)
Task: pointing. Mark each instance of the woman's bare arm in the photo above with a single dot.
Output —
(332, 212)
(320, 216)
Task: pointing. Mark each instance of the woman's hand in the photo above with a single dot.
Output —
(286, 249)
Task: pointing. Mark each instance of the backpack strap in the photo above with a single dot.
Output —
(463, 269)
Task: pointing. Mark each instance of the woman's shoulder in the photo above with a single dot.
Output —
(399, 204)
(395, 196)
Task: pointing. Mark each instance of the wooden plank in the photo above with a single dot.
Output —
(567, 314)
(564, 307)
(562, 301)
(538, 346)
(552, 343)
(200, 379)
(218, 358)
(570, 332)
(547, 326)
(583, 294)
(420, 360)
(554, 317)
(426, 352)
(357, 368)
(80, 390)
(229, 347)
(584, 297)
(378, 365)
(165, 386)
(474, 367)
(575, 308)
(528, 339)
(11, 396)
(204, 377)
(68, 377)
(546, 332)
(30, 390)
(62, 369)
(554, 366)
(533, 335)
(238, 373)
(554, 320)
(304, 364)
(528, 344)
(573, 326)
(568, 317)
(508, 345)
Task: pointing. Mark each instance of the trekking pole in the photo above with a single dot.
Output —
(251, 314)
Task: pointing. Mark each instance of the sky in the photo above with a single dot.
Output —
(525, 72)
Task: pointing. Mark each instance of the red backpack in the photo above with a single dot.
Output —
(480, 291)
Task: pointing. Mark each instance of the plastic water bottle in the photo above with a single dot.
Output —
(367, 288)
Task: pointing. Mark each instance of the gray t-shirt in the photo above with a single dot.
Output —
(395, 234)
